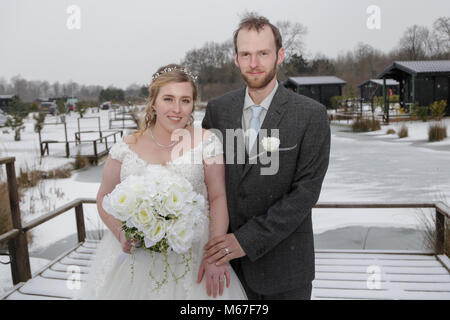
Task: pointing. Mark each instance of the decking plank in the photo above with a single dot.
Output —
(384, 269)
(350, 276)
(80, 256)
(64, 268)
(369, 256)
(20, 296)
(378, 262)
(383, 285)
(52, 274)
(378, 294)
(48, 287)
(76, 262)
(84, 250)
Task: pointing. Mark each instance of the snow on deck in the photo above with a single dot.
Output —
(339, 275)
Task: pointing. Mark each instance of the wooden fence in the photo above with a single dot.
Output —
(44, 145)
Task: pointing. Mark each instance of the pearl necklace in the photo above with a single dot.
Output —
(162, 145)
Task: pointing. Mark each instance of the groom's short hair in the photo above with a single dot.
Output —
(253, 21)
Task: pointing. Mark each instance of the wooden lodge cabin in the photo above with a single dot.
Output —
(420, 81)
(5, 102)
(319, 88)
(374, 88)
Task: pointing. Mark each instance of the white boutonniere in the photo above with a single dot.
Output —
(270, 144)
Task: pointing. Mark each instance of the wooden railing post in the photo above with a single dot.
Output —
(79, 216)
(440, 232)
(18, 247)
(67, 150)
(95, 148)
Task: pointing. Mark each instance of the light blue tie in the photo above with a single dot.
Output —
(254, 125)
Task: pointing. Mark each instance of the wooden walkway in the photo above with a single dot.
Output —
(339, 275)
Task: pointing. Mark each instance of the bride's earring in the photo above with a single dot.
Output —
(150, 117)
(191, 120)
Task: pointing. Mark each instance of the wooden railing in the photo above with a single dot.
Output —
(45, 144)
(442, 212)
(17, 236)
(122, 116)
(18, 246)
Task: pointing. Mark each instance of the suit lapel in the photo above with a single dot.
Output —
(236, 110)
(235, 122)
(271, 121)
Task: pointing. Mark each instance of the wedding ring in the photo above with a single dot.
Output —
(227, 251)
(222, 279)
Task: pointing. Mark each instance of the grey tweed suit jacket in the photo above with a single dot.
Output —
(270, 215)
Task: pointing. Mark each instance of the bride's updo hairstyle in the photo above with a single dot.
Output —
(165, 75)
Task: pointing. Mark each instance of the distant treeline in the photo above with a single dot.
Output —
(33, 90)
(214, 64)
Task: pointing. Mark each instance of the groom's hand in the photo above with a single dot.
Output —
(223, 249)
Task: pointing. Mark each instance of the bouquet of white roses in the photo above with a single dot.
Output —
(158, 208)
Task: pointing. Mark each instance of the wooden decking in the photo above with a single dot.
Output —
(339, 275)
(378, 275)
(52, 281)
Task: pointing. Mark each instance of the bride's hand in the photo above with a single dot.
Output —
(127, 244)
(215, 277)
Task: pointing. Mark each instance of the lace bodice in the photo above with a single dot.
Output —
(189, 165)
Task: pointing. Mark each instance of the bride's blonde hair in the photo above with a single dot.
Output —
(162, 77)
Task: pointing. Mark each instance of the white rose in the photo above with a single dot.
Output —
(156, 231)
(121, 203)
(143, 215)
(180, 236)
(270, 144)
(175, 200)
(138, 185)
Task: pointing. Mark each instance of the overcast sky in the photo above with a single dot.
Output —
(121, 42)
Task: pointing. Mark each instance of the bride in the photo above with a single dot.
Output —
(122, 270)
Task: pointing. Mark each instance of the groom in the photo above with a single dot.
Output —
(270, 241)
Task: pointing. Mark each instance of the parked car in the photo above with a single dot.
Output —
(71, 106)
(106, 105)
(49, 107)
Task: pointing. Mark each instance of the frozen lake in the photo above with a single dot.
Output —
(367, 168)
(364, 168)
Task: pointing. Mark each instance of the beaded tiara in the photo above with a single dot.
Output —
(184, 70)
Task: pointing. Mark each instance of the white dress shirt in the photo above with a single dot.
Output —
(248, 102)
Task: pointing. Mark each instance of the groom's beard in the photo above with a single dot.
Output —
(260, 83)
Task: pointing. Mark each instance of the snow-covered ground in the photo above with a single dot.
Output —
(417, 134)
(364, 167)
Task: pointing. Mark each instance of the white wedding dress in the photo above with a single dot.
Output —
(117, 275)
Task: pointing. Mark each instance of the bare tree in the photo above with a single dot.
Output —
(293, 34)
(414, 44)
(45, 89)
(20, 87)
(56, 86)
(441, 35)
